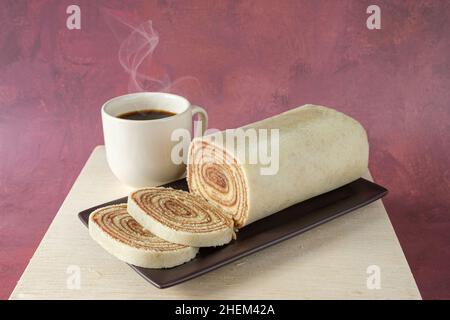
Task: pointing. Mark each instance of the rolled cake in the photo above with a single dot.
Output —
(320, 149)
(119, 234)
(180, 217)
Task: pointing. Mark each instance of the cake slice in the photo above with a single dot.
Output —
(119, 234)
(180, 217)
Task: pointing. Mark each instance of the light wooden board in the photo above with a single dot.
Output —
(328, 262)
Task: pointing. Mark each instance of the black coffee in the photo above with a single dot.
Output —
(149, 114)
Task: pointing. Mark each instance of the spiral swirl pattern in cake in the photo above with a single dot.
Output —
(216, 176)
(122, 236)
(180, 217)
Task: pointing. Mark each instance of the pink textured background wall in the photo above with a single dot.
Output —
(251, 59)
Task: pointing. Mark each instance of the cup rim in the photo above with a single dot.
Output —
(147, 93)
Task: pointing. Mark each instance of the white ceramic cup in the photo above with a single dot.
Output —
(139, 151)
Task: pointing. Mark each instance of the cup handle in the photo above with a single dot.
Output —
(202, 115)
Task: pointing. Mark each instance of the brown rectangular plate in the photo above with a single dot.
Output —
(263, 233)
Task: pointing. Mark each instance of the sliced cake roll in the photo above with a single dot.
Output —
(180, 217)
(119, 234)
(313, 150)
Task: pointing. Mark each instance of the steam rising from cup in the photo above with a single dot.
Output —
(136, 56)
